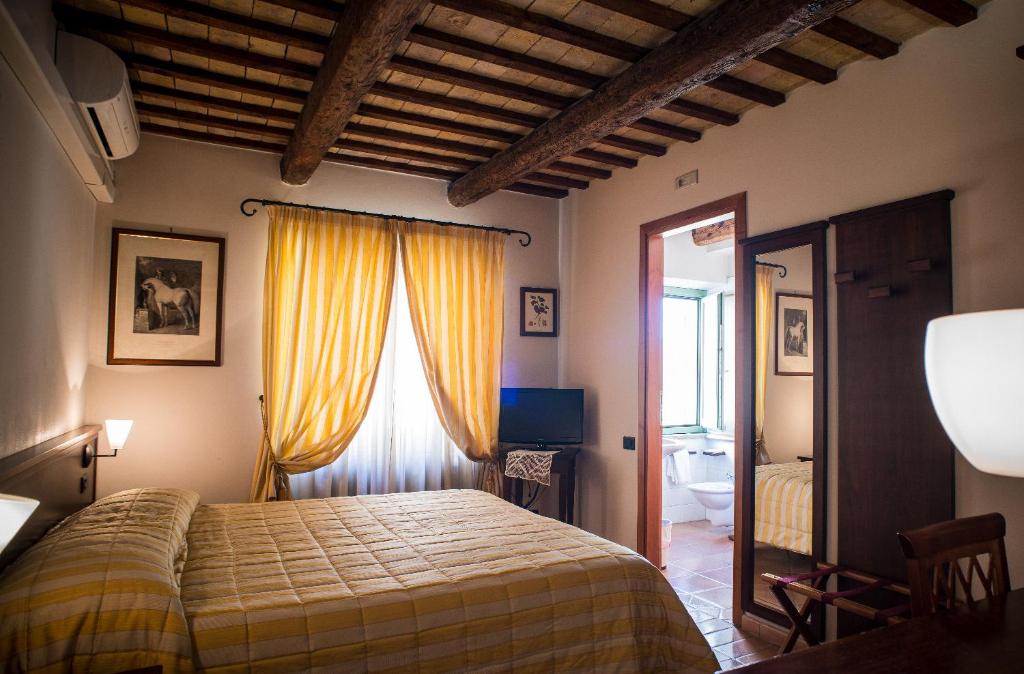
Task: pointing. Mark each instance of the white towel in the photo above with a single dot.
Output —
(680, 460)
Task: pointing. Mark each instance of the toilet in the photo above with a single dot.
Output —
(717, 498)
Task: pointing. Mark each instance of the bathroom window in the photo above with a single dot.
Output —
(697, 361)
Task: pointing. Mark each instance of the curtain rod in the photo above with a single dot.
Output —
(781, 267)
(524, 237)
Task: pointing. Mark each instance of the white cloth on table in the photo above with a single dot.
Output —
(528, 464)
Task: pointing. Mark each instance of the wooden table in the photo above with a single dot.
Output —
(989, 640)
(563, 465)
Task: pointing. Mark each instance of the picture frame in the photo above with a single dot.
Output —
(794, 334)
(538, 312)
(166, 298)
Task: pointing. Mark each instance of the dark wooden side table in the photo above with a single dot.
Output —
(563, 465)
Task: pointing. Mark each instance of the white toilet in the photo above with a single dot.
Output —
(717, 497)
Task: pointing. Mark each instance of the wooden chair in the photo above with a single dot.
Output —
(936, 557)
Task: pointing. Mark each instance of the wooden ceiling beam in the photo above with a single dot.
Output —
(836, 28)
(365, 38)
(469, 80)
(436, 39)
(456, 44)
(674, 20)
(339, 158)
(539, 24)
(545, 26)
(213, 102)
(953, 12)
(236, 23)
(323, 9)
(747, 90)
(705, 112)
(863, 40)
(87, 23)
(504, 115)
(722, 39)
(141, 63)
(211, 121)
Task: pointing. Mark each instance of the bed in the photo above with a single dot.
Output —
(425, 582)
(783, 505)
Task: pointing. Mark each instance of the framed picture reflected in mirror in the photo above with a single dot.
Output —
(794, 334)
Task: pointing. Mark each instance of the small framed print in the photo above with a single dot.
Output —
(166, 296)
(538, 312)
(794, 330)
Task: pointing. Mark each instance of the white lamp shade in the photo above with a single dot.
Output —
(14, 512)
(117, 432)
(975, 369)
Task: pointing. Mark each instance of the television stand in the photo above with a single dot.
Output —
(563, 464)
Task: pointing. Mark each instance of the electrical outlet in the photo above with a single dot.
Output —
(687, 179)
(629, 442)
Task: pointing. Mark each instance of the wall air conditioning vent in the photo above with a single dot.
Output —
(98, 83)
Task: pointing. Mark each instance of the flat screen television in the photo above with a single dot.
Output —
(541, 416)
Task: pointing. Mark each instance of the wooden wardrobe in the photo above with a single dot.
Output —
(895, 463)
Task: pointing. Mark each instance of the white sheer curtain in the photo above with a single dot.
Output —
(401, 445)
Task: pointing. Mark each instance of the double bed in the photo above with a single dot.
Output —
(425, 582)
(783, 505)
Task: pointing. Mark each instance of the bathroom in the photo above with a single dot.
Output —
(698, 337)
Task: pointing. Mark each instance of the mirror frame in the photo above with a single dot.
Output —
(814, 235)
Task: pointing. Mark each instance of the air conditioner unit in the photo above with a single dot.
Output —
(98, 83)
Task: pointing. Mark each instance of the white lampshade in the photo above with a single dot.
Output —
(117, 432)
(975, 369)
(14, 512)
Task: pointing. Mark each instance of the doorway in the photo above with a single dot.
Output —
(693, 409)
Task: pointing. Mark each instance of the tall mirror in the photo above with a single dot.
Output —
(783, 519)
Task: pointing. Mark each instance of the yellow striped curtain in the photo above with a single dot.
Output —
(327, 295)
(454, 277)
(762, 350)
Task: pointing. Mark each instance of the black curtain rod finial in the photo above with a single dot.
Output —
(524, 237)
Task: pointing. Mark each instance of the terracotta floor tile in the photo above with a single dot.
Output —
(742, 647)
(756, 657)
(722, 574)
(695, 583)
(722, 637)
(720, 596)
(713, 625)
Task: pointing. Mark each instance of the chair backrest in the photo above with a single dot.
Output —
(943, 561)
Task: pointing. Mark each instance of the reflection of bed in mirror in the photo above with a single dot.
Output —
(783, 505)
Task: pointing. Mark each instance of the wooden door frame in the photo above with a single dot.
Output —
(652, 285)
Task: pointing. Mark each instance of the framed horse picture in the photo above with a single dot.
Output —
(166, 296)
(794, 330)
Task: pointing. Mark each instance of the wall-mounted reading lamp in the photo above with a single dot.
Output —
(14, 512)
(975, 369)
(117, 434)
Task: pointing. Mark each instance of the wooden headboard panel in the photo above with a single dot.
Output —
(54, 473)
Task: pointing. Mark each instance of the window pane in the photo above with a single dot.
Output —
(729, 359)
(709, 366)
(679, 360)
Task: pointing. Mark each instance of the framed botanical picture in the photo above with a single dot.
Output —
(794, 330)
(538, 312)
(166, 293)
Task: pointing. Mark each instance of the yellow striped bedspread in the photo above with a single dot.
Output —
(449, 581)
(783, 505)
(99, 592)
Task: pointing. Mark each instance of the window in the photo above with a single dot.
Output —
(697, 361)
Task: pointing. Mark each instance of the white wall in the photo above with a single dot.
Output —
(686, 260)
(46, 225)
(198, 427)
(945, 112)
(789, 401)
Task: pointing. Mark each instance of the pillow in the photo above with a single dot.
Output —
(99, 593)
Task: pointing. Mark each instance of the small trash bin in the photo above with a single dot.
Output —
(666, 534)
